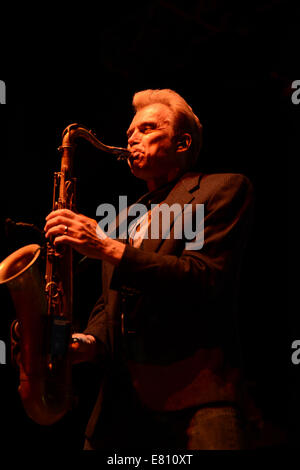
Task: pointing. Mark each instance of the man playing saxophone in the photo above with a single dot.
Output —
(165, 324)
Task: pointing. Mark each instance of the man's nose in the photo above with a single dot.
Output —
(133, 139)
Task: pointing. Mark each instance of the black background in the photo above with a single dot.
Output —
(235, 66)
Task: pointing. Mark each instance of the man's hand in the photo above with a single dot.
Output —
(83, 234)
(84, 348)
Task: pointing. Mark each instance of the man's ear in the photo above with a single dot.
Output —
(184, 142)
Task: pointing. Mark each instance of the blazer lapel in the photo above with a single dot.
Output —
(181, 194)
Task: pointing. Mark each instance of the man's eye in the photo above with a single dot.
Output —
(148, 129)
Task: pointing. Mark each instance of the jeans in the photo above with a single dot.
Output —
(213, 427)
(216, 429)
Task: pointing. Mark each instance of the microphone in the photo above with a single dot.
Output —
(12, 225)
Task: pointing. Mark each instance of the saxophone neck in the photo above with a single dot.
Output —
(73, 131)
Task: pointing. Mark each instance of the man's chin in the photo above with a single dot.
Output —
(135, 164)
(138, 172)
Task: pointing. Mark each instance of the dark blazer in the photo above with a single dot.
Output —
(179, 346)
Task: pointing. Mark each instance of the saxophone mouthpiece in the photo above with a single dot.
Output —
(124, 155)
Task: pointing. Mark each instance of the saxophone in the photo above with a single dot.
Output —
(44, 305)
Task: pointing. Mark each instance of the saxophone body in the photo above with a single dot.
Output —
(44, 304)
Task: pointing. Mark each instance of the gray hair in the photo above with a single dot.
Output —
(185, 121)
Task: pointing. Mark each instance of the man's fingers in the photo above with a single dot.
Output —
(58, 230)
(58, 220)
(61, 212)
(82, 347)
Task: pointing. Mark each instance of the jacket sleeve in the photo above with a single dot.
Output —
(227, 214)
(97, 324)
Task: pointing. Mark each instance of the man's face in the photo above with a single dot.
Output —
(150, 139)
